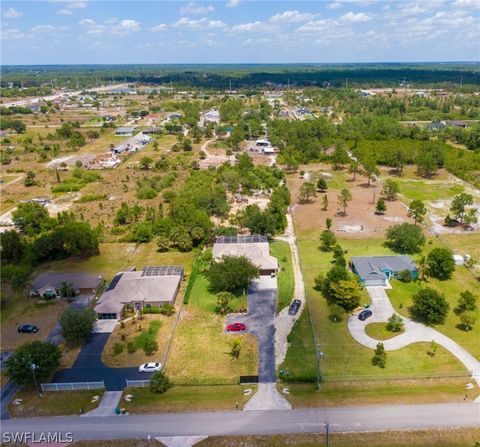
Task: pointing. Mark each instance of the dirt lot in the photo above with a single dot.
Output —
(360, 220)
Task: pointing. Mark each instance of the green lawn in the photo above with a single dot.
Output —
(344, 358)
(401, 298)
(186, 398)
(428, 191)
(53, 403)
(200, 350)
(149, 334)
(360, 393)
(285, 279)
(379, 331)
(116, 257)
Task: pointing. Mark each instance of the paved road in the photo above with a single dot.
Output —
(414, 332)
(88, 367)
(260, 321)
(356, 419)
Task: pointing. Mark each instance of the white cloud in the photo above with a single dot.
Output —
(356, 18)
(291, 17)
(465, 4)
(232, 3)
(91, 26)
(69, 6)
(334, 5)
(158, 28)
(11, 13)
(126, 26)
(48, 28)
(202, 23)
(314, 26)
(250, 26)
(193, 8)
(13, 34)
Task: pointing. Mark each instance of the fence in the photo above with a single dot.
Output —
(72, 386)
(138, 383)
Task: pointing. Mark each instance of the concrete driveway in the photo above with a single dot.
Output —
(88, 367)
(260, 321)
(414, 332)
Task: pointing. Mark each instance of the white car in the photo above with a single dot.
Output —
(150, 367)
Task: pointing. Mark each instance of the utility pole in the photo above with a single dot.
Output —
(373, 200)
(33, 367)
(327, 431)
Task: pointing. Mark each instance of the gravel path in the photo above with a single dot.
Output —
(414, 332)
(284, 322)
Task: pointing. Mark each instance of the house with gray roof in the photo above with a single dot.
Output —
(151, 286)
(49, 284)
(377, 270)
(255, 248)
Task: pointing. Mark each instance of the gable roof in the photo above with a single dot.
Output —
(372, 267)
(79, 280)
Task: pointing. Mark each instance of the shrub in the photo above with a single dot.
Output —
(159, 383)
(118, 348)
(131, 347)
(405, 276)
(380, 357)
(395, 323)
(150, 347)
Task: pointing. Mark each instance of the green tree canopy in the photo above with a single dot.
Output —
(405, 238)
(440, 263)
(76, 325)
(232, 274)
(429, 307)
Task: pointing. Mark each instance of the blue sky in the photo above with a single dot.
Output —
(238, 31)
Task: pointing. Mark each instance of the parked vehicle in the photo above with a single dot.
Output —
(28, 329)
(150, 367)
(293, 309)
(364, 314)
(236, 327)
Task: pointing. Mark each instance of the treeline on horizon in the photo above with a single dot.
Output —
(246, 76)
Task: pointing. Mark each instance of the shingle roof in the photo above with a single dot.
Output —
(372, 267)
(257, 252)
(79, 280)
(136, 286)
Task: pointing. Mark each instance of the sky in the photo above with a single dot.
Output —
(238, 31)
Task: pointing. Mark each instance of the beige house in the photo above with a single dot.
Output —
(151, 286)
(255, 248)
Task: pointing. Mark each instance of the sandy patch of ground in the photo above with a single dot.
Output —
(360, 219)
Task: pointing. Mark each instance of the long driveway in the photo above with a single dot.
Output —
(345, 419)
(414, 332)
(88, 367)
(260, 321)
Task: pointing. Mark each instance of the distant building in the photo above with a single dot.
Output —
(457, 123)
(151, 286)
(436, 125)
(377, 270)
(126, 131)
(212, 116)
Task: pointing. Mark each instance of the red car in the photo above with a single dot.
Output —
(236, 327)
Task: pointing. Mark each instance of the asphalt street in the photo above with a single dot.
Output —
(260, 321)
(348, 419)
(88, 367)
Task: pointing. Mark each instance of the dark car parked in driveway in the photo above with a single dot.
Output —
(28, 329)
(364, 314)
(293, 309)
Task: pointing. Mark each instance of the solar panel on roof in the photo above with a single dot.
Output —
(255, 238)
(114, 282)
(163, 270)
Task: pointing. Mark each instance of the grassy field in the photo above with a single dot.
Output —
(428, 191)
(357, 393)
(344, 358)
(53, 403)
(200, 349)
(187, 398)
(401, 298)
(286, 282)
(115, 257)
(464, 244)
(379, 331)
